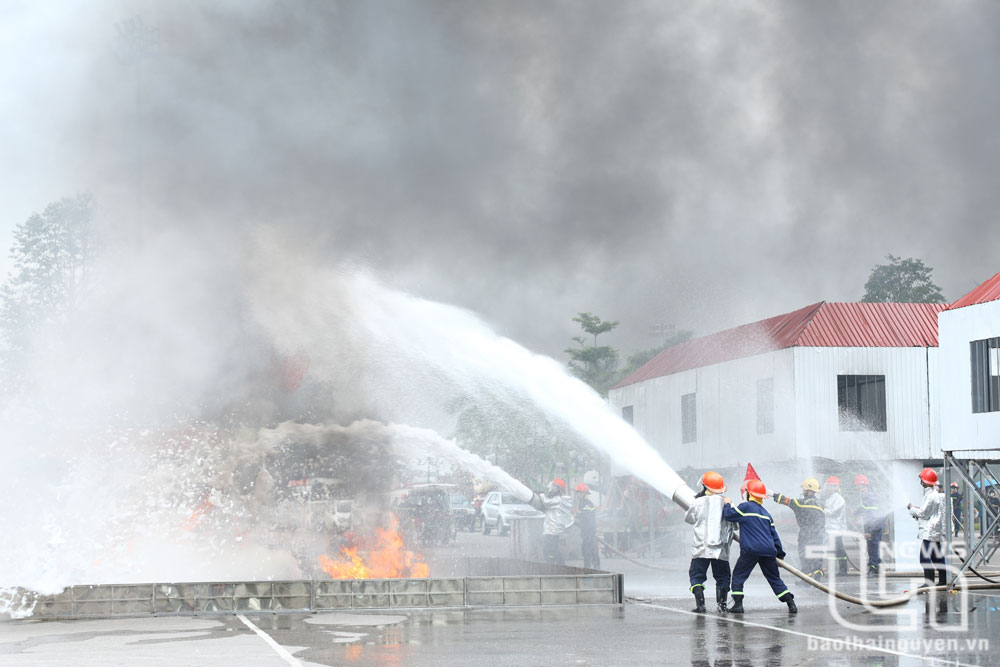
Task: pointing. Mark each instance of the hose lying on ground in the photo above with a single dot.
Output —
(684, 497)
(629, 558)
(840, 595)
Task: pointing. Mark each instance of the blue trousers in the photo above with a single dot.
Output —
(698, 571)
(874, 540)
(768, 566)
(932, 554)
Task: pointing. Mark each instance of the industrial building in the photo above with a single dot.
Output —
(831, 388)
(838, 380)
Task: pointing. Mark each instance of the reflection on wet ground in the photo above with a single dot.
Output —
(656, 627)
(659, 629)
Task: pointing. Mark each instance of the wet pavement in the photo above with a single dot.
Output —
(654, 627)
(653, 630)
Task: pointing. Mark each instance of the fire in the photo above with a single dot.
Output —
(387, 560)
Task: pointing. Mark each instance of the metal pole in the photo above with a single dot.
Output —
(949, 508)
(969, 529)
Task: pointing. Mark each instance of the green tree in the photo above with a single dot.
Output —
(902, 281)
(52, 257)
(514, 434)
(596, 365)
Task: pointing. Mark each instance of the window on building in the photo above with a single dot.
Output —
(861, 399)
(765, 405)
(985, 375)
(627, 414)
(689, 418)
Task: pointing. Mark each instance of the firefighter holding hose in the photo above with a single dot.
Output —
(811, 519)
(710, 542)
(930, 528)
(558, 508)
(759, 545)
(871, 520)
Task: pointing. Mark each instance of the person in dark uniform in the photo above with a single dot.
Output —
(871, 520)
(993, 500)
(811, 519)
(759, 545)
(586, 518)
(956, 508)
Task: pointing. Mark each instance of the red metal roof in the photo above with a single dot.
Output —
(819, 325)
(988, 291)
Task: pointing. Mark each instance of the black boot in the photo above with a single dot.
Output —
(721, 597)
(942, 577)
(699, 599)
(790, 601)
(737, 607)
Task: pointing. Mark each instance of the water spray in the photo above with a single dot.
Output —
(408, 442)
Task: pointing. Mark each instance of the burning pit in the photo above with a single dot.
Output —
(386, 559)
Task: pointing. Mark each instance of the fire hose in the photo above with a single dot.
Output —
(684, 496)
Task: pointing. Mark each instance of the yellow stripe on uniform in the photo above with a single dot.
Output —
(759, 516)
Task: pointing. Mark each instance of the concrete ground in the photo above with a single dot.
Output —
(659, 632)
(654, 627)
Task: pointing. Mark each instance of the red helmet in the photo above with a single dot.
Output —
(833, 479)
(756, 488)
(928, 476)
(713, 482)
(582, 487)
(860, 479)
(558, 482)
(954, 485)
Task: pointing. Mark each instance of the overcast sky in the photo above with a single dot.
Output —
(698, 164)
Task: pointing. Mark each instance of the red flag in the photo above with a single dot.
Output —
(751, 474)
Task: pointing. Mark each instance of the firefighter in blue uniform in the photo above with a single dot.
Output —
(811, 519)
(871, 520)
(759, 545)
(956, 507)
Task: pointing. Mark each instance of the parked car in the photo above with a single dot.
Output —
(463, 512)
(499, 509)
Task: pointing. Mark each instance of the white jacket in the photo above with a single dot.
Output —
(558, 513)
(836, 513)
(929, 515)
(712, 535)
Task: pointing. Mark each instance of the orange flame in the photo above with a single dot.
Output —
(387, 560)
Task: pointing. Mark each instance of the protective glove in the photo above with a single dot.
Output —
(781, 555)
(775, 496)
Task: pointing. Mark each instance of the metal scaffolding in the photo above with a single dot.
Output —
(970, 468)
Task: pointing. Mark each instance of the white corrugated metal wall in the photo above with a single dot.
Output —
(908, 425)
(960, 427)
(726, 412)
(806, 417)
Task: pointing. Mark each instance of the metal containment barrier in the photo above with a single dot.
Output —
(466, 582)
